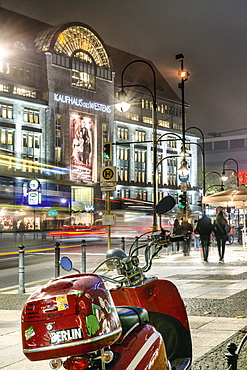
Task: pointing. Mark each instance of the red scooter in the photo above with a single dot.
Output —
(140, 324)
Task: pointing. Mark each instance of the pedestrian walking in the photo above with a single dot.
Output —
(196, 236)
(204, 228)
(220, 231)
(21, 230)
(176, 230)
(187, 229)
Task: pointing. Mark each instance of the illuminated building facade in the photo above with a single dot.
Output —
(57, 94)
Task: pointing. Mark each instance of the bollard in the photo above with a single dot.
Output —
(232, 356)
(57, 259)
(21, 269)
(123, 243)
(83, 255)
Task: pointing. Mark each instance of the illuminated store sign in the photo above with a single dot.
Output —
(242, 178)
(66, 99)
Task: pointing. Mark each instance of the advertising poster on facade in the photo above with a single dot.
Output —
(81, 148)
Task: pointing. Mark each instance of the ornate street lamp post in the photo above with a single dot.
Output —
(123, 106)
(184, 76)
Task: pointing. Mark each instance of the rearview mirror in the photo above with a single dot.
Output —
(66, 263)
(165, 205)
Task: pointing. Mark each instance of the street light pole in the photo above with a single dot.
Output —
(122, 97)
(184, 76)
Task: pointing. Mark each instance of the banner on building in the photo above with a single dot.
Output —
(81, 148)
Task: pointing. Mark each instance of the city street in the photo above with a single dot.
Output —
(214, 294)
(40, 255)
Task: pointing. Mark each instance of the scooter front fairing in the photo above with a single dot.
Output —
(167, 314)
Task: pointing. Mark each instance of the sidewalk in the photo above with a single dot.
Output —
(213, 293)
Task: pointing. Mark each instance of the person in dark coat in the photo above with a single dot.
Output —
(187, 229)
(204, 229)
(176, 230)
(220, 231)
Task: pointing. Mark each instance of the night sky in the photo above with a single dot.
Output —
(212, 35)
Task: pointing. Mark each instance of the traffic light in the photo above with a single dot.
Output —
(107, 151)
(183, 200)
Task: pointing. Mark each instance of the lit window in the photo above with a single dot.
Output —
(10, 138)
(132, 116)
(122, 133)
(24, 92)
(31, 116)
(164, 123)
(24, 140)
(3, 137)
(148, 120)
(36, 142)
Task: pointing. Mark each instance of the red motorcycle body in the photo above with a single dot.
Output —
(74, 315)
(166, 312)
(69, 316)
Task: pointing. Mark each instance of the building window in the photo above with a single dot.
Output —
(139, 194)
(6, 139)
(146, 104)
(31, 116)
(30, 164)
(123, 172)
(24, 92)
(4, 88)
(122, 133)
(6, 111)
(163, 123)
(140, 136)
(83, 71)
(171, 142)
(177, 126)
(28, 74)
(148, 120)
(132, 116)
(140, 174)
(105, 131)
(30, 140)
(58, 145)
(123, 154)
(140, 156)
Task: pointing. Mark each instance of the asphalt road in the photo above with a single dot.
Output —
(39, 257)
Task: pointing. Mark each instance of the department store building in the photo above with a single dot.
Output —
(58, 89)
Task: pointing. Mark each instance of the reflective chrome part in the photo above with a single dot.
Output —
(107, 356)
(56, 363)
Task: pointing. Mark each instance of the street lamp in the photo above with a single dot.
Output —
(224, 175)
(184, 76)
(123, 106)
(221, 183)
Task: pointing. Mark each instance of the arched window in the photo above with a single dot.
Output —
(77, 47)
